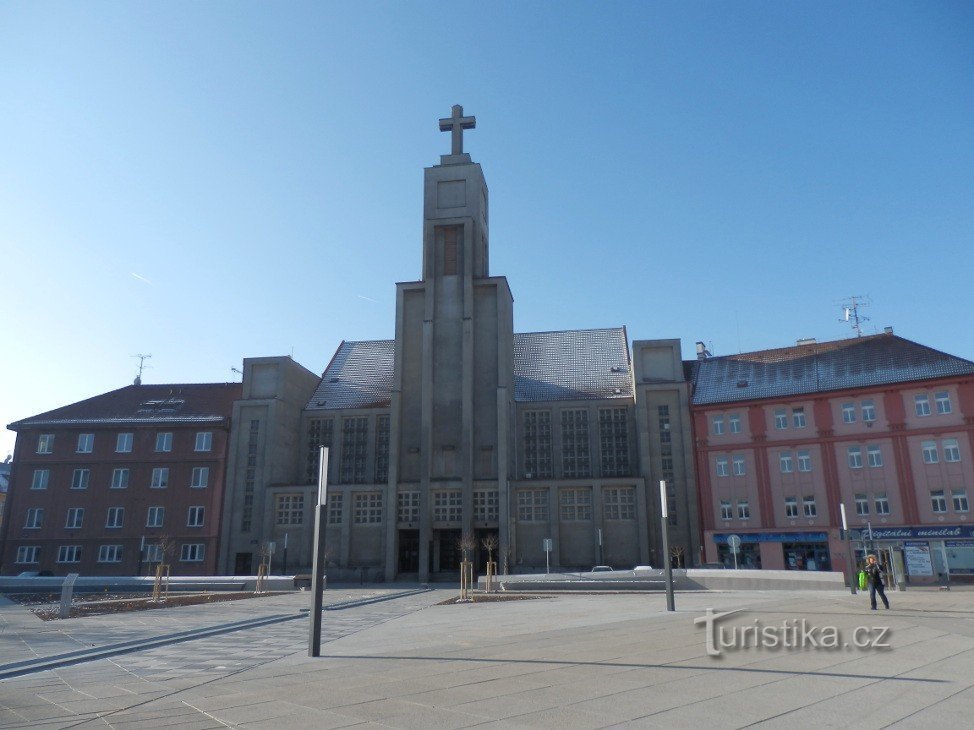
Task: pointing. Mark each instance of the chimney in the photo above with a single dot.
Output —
(805, 341)
(888, 330)
(702, 353)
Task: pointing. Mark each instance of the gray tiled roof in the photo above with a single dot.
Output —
(358, 376)
(860, 362)
(572, 365)
(566, 365)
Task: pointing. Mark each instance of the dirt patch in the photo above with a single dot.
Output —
(489, 598)
(47, 606)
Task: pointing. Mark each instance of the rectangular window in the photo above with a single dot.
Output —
(160, 477)
(574, 444)
(930, 453)
(447, 505)
(808, 505)
(192, 552)
(848, 412)
(407, 507)
(785, 462)
(868, 410)
(804, 461)
(155, 517)
(35, 518)
(40, 479)
(739, 468)
(204, 441)
(614, 441)
(780, 418)
(798, 417)
(109, 553)
(80, 478)
(717, 425)
(922, 404)
(619, 503)
(734, 420)
(485, 505)
(355, 448)
(120, 478)
(537, 445)
(201, 477)
(721, 465)
(937, 500)
(726, 511)
(86, 443)
(320, 432)
(153, 553)
(743, 510)
(381, 449)
(336, 504)
(532, 505)
(69, 554)
(76, 518)
(951, 449)
(943, 402)
(290, 509)
(45, 443)
(854, 456)
(881, 503)
(28, 554)
(862, 505)
(875, 456)
(791, 507)
(960, 499)
(164, 441)
(194, 516)
(123, 443)
(115, 517)
(368, 508)
(576, 504)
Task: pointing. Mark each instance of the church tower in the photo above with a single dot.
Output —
(450, 454)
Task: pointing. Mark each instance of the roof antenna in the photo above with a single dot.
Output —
(142, 366)
(238, 372)
(850, 313)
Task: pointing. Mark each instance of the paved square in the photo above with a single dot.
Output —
(575, 661)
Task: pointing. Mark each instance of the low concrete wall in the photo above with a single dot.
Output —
(137, 584)
(683, 580)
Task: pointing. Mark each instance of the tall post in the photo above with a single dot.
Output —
(851, 556)
(284, 567)
(318, 567)
(663, 514)
(141, 553)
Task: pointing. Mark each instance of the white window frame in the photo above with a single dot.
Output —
(123, 442)
(80, 478)
(109, 553)
(34, 518)
(862, 504)
(881, 503)
(785, 463)
(809, 508)
(804, 459)
(740, 469)
(921, 404)
(160, 477)
(959, 498)
(938, 502)
(798, 419)
(204, 441)
(726, 510)
(951, 449)
(45, 443)
(192, 552)
(153, 553)
(931, 455)
(874, 456)
(791, 507)
(854, 457)
(157, 511)
(163, 442)
(868, 410)
(848, 412)
(780, 418)
(115, 517)
(28, 555)
(75, 518)
(734, 422)
(86, 443)
(942, 398)
(717, 425)
(68, 554)
(720, 464)
(40, 479)
(743, 509)
(195, 516)
(200, 478)
(120, 477)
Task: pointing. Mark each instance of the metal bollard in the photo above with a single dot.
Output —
(67, 591)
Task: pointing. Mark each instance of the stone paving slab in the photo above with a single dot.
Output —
(570, 661)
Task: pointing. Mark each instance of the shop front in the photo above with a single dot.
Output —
(776, 550)
(922, 555)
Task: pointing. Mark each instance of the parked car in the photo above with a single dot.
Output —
(601, 569)
(35, 574)
(643, 567)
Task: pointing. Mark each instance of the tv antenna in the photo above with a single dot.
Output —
(142, 366)
(238, 372)
(850, 313)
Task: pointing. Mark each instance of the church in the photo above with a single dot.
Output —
(461, 435)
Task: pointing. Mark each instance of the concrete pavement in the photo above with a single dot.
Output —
(567, 661)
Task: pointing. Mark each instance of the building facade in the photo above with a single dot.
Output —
(461, 435)
(880, 425)
(117, 483)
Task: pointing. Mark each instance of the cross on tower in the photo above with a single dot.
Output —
(456, 124)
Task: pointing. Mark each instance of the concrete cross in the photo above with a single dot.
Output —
(456, 124)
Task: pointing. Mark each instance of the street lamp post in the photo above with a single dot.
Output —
(664, 513)
(318, 567)
(850, 556)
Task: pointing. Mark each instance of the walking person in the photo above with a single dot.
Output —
(875, 573)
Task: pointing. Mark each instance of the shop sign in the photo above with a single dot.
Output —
(907, 533)
(753, 537)
(917, 558)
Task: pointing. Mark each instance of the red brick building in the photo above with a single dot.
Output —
(879, 424)
(114, 484)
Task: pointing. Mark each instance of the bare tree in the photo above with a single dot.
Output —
(490, 543)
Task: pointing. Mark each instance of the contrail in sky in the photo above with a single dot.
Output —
(366, 298)
(140, 278)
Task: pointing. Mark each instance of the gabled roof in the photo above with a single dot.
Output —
(548, 366)
(358, 376)
(859, 362)
(176, 403)
(572, 365)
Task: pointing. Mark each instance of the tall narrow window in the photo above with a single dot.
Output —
(930, 453)
(921, 404)
(785, 462)
(45, 443)
(881, 503)
(123, 443)
(739, 468)
(537, 445)
(717, 425)
(743, 509)
(943, 401)
(614, 441)
(804, 461)
(721, 465)
(164, 441)
(791, 507)
(960, 499)
(875, 455)
(451, 245)
(798, 417)
(726, 512)
(848, 412)
(868, 410)
(854, 456)
(204, 441)
(937, 500)
(734, 421)
(381, 449)
(355, 446)
(86, 443)
(574, 444)
(808, 504)
(780, 418)
(862, 505)
(951, 449)
(40, 479)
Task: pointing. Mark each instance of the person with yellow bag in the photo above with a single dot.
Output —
(874, 572)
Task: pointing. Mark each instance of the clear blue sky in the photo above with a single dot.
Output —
(208, 181)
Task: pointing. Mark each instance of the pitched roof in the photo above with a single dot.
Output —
(859, 362)
(572, 365)
(548, 366)
(175, 403)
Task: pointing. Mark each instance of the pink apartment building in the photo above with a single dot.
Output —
(879, 424)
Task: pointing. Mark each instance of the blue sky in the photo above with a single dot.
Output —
(208, 181)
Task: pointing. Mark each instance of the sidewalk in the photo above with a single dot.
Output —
(566, 661)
